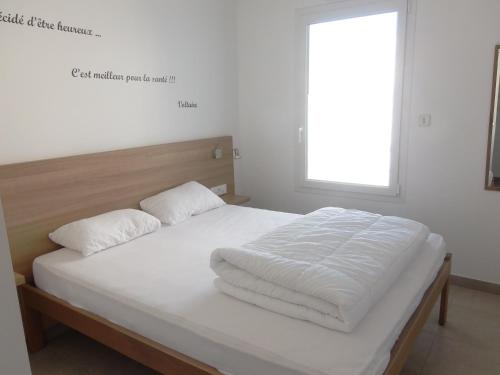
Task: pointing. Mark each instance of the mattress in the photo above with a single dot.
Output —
(161, 286)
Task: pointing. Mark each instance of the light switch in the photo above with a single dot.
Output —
(424, 120)
(218, 153)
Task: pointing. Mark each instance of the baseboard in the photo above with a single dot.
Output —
(482, 286)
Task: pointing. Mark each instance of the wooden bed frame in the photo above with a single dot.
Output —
(40, 196)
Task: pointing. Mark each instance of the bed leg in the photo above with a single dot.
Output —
(443, 310)
(33, 328)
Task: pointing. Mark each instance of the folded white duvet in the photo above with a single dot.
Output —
(328, 267)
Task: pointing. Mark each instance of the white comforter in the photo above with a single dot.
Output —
(328, 267)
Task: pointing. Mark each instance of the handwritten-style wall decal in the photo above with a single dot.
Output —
(184, 104)
(109, 75)
(41, 23)
(17, 19)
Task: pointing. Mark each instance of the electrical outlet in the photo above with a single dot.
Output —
(219, 190)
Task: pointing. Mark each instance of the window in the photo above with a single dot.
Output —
(351, 96)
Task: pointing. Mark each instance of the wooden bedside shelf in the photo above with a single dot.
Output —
(20, 279)
(235, 199)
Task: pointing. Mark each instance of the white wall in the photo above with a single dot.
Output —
(444, 184)
(46, 113)
(13, 354)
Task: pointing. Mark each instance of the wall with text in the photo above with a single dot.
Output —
(80, 77)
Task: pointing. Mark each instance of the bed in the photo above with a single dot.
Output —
(153, 298)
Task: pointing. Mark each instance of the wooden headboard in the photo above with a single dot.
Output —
(40, 196)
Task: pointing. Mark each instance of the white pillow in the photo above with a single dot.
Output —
(89, 236)
(178, 204)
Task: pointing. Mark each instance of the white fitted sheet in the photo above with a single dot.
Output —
(161, 286)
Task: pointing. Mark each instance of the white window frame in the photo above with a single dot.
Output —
(337, 11)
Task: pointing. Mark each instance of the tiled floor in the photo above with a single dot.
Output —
(468, 345)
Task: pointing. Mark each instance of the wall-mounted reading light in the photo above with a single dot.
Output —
(218, 152)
